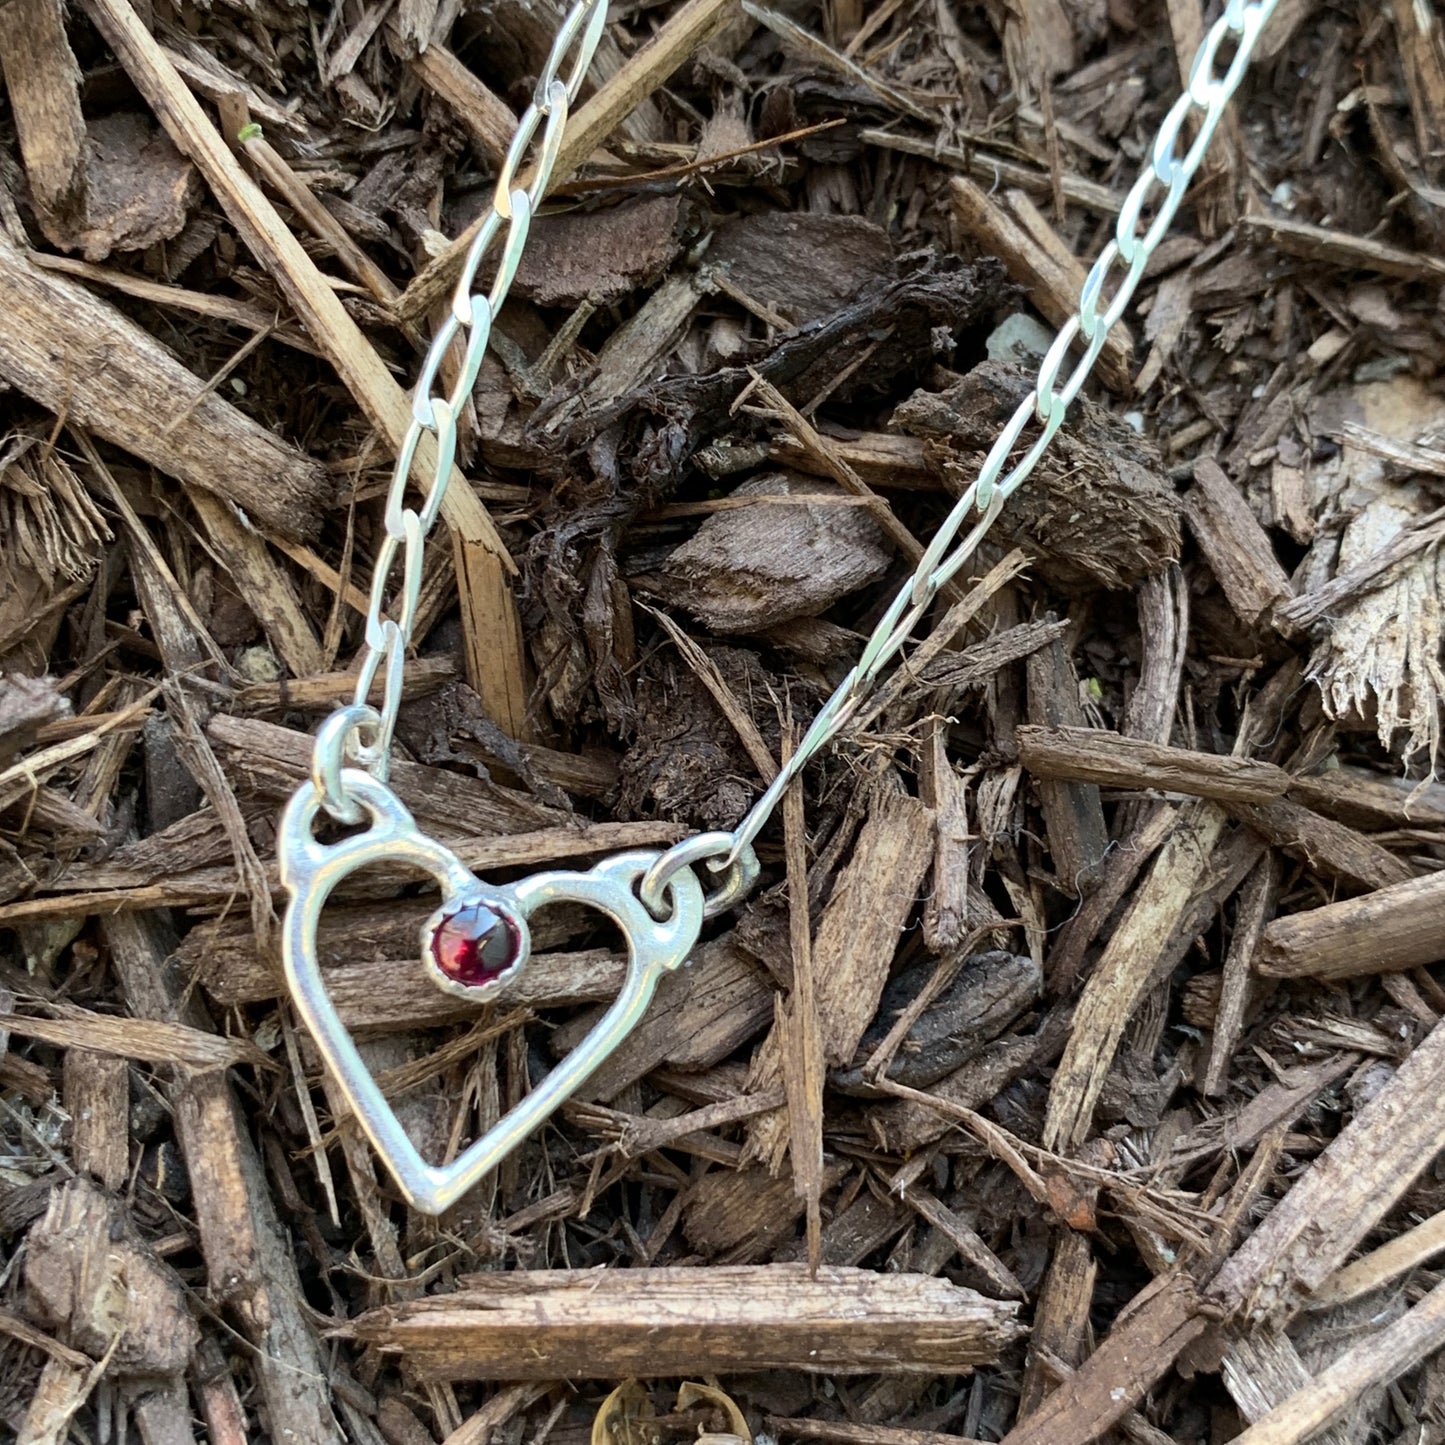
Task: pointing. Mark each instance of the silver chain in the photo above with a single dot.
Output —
(1160, 187)
(360, 735)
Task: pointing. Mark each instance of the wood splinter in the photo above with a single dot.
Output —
(612, 1324)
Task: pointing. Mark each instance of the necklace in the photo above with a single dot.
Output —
(478, 939)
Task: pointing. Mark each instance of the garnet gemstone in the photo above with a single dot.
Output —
(476, 945)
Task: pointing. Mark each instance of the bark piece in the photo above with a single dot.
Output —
(1061, 1326)
(988, 993)
(966, 1242)
(854, 944)
(1397, 927)
(277, 759)
(698, 1016)
(951, 672)
(60, 1393)
(1322, 845)
(1235, 545)
(800, 1027)
(139, 191)
(163, 1416)
(1313, 1230)
(160, 1041)
(1353, 253)
(1418, 38)
(1377, 620)
(326, 690)
(1160, 1321)
(42, 82)
(88, 1275)
(1093, 755)
(858, 932)
(862, 1229)
(907, 1125)
(881, 459)
(384, 994)
(1164, 639)
(750, 568)
(1367, 800)
(741, 1216)
(264, 583)
(1256, 903)
(1095, 512)
(1124, 971)
(600, 257)
(611, 1324)
(946, 907)
(641, 344)
(71, 352)
(223, 950)
(1073, 813)
(800, 265)
(97, 1098)
(122, 890)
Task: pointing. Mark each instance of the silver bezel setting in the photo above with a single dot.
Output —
(452, 904)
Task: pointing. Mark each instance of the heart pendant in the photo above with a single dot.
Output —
(473, 945)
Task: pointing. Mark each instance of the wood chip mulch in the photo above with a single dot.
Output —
(1076, 1071)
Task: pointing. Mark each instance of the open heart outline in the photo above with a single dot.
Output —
(311, 869)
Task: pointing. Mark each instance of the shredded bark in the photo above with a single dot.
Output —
(1074, 1072)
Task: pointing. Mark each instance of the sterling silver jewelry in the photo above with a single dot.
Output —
(478, 939)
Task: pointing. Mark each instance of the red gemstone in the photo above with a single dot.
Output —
(476, 945)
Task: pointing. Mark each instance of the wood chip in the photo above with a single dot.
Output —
(604, 1325)
(72, 352)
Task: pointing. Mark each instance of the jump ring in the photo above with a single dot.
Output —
(328, 757)
(738, 876)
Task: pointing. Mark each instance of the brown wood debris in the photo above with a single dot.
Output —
(1073, 1074)
(657, 1322)
(786, 557)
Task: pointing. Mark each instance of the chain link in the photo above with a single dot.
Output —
(360, 735)
(1105, 296)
